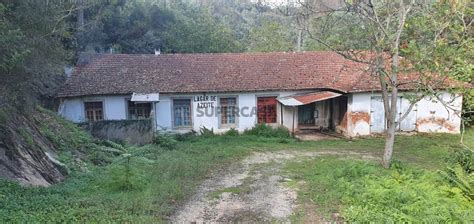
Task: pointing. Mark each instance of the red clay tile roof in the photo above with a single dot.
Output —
(225, 72)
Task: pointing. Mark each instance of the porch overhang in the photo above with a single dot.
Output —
(142, 97)
(307, 98)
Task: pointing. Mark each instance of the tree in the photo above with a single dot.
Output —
(33, 35)
(270, 36)
(400, 38)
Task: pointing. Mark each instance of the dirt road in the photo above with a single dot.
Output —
(248, 191)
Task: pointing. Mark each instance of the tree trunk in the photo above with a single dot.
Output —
(298, 43)
(80, 14)
(392, 118)
(389, 142)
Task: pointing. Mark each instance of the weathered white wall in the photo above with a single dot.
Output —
(428, 115)
(114, 108)
(247, 103)
(358, 111)
(72, 109)
(433, 116)
(163, 113)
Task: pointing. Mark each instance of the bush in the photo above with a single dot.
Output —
(124, 176)
(268, 131)
(364, 192)
(232, 132)
(205, 132)
(165, 140)
(459, 172)
(463, 157)
(185, 137)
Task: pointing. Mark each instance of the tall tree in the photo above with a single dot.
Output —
(270, 36)
(33, 36)
(397, 38)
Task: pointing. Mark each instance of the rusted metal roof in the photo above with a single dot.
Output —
(307, 98)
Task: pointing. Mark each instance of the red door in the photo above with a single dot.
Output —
(266, 110)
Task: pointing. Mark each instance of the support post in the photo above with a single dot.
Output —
(293, 124)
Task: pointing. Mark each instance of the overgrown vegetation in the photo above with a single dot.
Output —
(414, 190)
(265, 130)
(145, 184)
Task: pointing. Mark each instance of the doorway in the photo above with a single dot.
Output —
(306, 114)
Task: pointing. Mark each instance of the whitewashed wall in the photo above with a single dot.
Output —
(433, 116)
(427, 116)
(366, 115)
(164, 119)
(114, 107)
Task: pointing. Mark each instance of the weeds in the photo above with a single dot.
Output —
(363, 192)
(205, 132)
(232, 132)
(264, 130)
(165, 140)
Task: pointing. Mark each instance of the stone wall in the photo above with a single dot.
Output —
(138, 132)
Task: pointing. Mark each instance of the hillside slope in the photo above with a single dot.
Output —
(31, 144)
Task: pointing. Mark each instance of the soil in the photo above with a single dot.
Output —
(252, 190)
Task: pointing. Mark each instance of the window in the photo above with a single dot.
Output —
(266, 110)
(138, 110)
(94, 111)
(182, 112)
(228, 111)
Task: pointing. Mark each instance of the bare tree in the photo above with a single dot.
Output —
(380, 32)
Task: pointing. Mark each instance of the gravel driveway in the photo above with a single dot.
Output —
(252, 190)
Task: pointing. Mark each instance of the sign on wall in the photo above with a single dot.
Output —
(205, 101)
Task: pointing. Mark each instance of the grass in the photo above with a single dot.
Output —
(162, 179)
(217, 194)
(360, 190)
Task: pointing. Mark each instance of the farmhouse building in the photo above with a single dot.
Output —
(183, 92)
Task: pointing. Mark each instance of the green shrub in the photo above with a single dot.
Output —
(205, 132)
(459, 172)
(186, 136)
(363, 192)
(114, 145)
(125, 176)
(232, 132)
(264, 130)
(165, 140)
(463, 157)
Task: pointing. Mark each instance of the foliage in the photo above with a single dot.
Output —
(364, 193)
(158, 181)
(438, 42)
(185, 136)
(165, 140)
(460, 179)
(142, 27)
(232, 132)
(125, 176)
(168, 177)
(460, 171)
(468, 108)
(463, 157)
(265, 130)
(206, 132)
(33, 55)
(13, 51)
(270, 36)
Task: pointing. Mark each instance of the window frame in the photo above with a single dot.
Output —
(127, 105)
(276, 108)
(190, 113)
(93, 101)
(228, 125)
